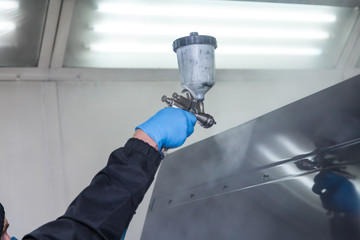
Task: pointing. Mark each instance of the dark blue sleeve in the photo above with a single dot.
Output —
(104, 209)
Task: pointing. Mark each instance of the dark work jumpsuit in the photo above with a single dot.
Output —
(104, 209)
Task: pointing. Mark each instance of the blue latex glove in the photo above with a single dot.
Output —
(169, 127)
(336, 192)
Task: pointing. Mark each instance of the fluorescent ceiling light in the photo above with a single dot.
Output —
(162, 21)
(12, 5)
(141, 29)
(129, 48)
(165, 48)
(193, 11)
(268, 50)
(138, 33)
(7, 26)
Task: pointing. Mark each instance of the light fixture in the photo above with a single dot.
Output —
(269, 50)
(7, 9)
(9, 5)
(129, 48)
(21, 30)
(199, 11)
(7, 26)
(254, 26)
(289, 36)
(132, 28)
(232, 50)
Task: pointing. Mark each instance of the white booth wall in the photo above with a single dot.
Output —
(55, 135)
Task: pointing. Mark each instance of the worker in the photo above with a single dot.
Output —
(340, 198)
(104, 209)
(4, 224)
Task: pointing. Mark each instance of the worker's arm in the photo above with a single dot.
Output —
(104, 209)
(140, 134)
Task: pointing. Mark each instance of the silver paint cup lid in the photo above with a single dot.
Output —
(194, 38)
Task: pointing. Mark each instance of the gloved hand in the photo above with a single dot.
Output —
(336, 192)
(169, 127)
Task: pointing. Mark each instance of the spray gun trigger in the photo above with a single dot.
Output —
(192, 105)
(178, 101)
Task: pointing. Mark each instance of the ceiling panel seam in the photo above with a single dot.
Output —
(62, 34)
(50, 31)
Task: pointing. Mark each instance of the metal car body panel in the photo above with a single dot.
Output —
(255, 180)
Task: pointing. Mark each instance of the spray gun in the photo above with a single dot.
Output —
(196, 60)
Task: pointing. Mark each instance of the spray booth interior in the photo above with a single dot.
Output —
(77, 76)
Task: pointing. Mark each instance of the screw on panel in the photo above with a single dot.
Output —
(225, 187)
(192, 195)
(170, 201)
(265, 177)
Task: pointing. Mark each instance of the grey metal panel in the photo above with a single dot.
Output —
(255, 181)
